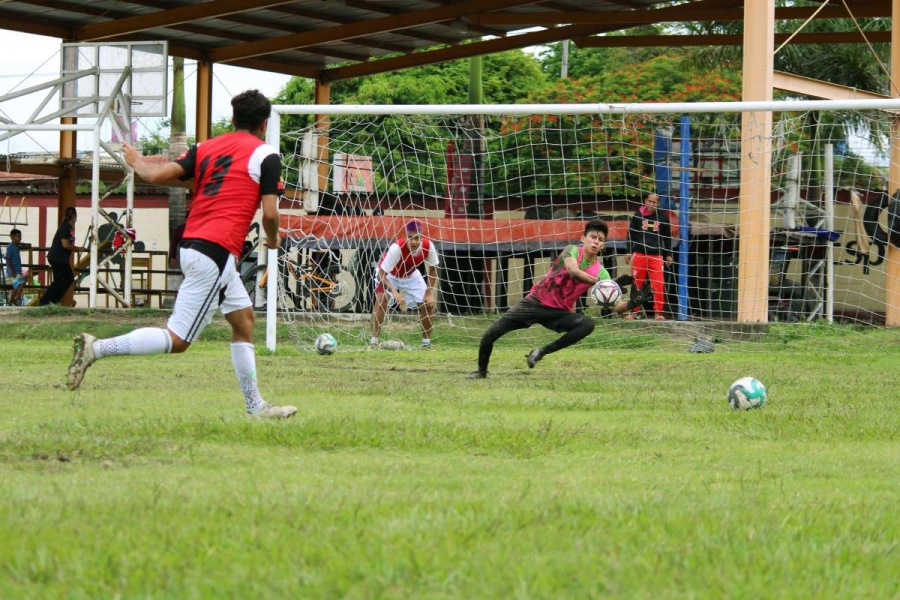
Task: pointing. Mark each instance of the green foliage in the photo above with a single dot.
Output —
(157, 141)
(507, 76)
(609, 155)
(593, 62)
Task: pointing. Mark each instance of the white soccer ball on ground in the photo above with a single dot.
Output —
(746, 393)
(326, 344)
(606, 293)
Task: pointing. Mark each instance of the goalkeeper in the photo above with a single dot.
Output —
(551, 301)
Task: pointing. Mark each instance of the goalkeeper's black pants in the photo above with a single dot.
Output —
(575, 326)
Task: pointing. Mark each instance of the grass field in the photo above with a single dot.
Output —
(602, 473)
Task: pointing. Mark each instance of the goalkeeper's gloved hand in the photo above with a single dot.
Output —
(639, 296)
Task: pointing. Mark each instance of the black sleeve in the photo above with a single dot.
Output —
(666, 235)
(65, 231)
(270, 176)
(188, 162)
(634, 226)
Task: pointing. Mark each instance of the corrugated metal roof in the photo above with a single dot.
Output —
(327, 33)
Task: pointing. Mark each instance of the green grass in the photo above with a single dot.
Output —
(602, 473)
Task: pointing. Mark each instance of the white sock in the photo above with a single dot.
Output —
(426, 341)
(244, 360)
(148, 340)
(373, 341)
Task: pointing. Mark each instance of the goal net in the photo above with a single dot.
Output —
(503, 192)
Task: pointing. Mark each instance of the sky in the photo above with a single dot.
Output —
(28, 60)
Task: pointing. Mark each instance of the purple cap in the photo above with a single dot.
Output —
(414, 227)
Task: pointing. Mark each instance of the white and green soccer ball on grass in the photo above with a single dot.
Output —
(326, 344)
(746, 393)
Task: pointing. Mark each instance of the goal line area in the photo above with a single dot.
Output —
(502, 191)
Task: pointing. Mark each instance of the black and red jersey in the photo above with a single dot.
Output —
(231, 172)
(399, 261)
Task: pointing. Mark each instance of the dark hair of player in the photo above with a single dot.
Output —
(15, 232)
(250, 109)
(70, 213)
(596, 225)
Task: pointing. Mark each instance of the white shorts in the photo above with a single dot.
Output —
(203, 290)
(412, 287)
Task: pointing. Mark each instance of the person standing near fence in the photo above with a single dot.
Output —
(649, 250)
(60, 257)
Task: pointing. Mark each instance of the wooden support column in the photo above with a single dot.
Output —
(323, 96)
(204, 100)
(892, 266)
(68, 180)
(756, 161)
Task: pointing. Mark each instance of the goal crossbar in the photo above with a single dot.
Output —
(585, 109)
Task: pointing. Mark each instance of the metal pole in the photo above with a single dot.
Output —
(564, 69)
(273, 135)
(829, 225)
(95, 223)
(129, 214)
(684, 225)
(271, 297)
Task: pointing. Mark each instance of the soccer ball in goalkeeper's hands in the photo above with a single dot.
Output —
(746, 393)
(326, 344)
(606, 293)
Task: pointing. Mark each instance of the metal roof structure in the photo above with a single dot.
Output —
(330, 40)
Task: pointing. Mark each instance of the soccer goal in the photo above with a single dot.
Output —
(502, 190)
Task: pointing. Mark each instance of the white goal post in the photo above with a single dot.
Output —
(791, 136)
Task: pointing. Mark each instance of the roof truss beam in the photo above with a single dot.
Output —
(359, 29)
(675, 14)
(169, 18)
(649, 41)
(462, 51)
(816, 88)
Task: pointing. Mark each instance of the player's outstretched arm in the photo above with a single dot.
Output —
(167, 174)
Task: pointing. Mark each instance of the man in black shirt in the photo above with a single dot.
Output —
(59, 257)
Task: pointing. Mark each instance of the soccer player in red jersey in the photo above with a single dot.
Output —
(233, 174)
(399, 283)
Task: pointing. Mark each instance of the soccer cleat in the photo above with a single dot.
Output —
(83, 357)
(275, 412)
(427, 347)
(477, 375)
(660, 318)
(533, 357)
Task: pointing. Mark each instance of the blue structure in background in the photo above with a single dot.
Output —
(662, 150)
(684, 225)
